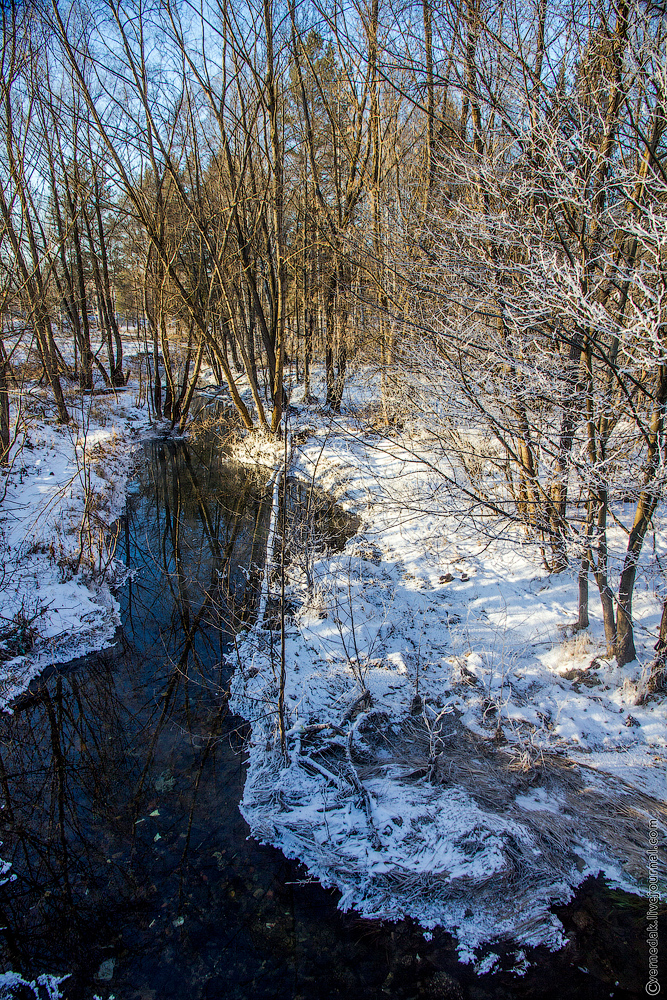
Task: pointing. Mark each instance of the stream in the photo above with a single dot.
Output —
(121, 777)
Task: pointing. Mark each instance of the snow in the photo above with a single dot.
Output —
(454, 752)
(65, 487)
(10, 982)
(497, 760)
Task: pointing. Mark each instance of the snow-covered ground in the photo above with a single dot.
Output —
(65, 487)
(455, 753)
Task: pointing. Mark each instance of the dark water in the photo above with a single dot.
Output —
(121, 778)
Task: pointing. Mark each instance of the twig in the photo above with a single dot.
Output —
(321, 770)
(364, 696)
(363, 794)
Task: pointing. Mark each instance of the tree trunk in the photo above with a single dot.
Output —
(600, 571)
(330, 321)
(646, 504)
(582, 619)
(657, 679)
(5, 437)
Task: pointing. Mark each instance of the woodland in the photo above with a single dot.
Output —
(405, 255)
(469, 197)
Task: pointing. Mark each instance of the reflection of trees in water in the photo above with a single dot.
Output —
(207, 537)
(82, 759)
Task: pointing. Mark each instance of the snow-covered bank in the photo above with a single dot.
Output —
(65, 487)
(455, 755)
(12, 985)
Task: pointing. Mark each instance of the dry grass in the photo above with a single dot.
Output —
(589, 805)
(577, 646)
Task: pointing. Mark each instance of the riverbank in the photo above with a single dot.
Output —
(456, 753)
(65, 487)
